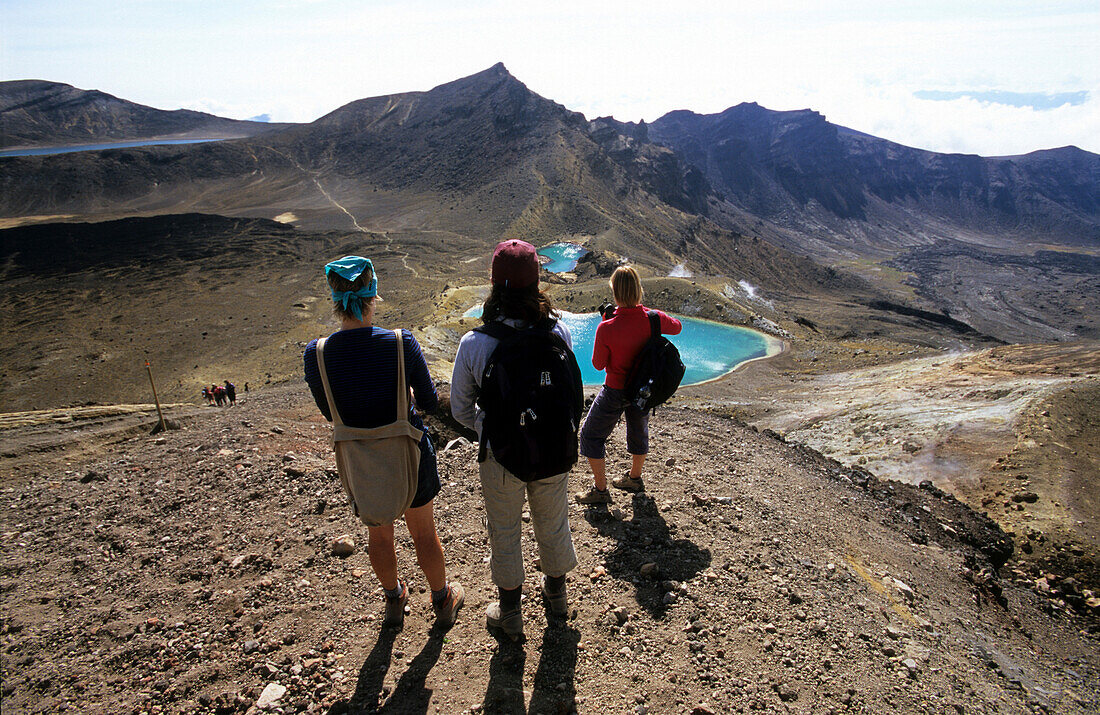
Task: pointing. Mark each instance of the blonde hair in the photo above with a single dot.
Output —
(626, 285)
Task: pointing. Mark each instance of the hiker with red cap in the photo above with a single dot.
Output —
(517, 384)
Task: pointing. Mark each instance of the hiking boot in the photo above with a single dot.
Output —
(628, 483)
(557, 602)
(511, 621)
(594, 496)
(447, 612)
(395, 609)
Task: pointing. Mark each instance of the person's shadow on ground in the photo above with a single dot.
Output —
(372, 676)
(644, 539)
(409, 695)
(554, 689)
(504, 694)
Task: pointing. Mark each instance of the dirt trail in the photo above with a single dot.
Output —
(354, 221)
(192, 571)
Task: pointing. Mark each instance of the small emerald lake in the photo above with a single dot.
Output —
(563, 256)
(709, 349)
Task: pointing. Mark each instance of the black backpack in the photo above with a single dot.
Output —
(531, 394)
(657, 370)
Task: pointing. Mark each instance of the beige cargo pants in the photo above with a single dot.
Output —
(549, 503)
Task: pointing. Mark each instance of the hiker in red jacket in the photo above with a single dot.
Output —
(619, 338)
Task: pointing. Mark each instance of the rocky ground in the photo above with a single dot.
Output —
(1011, 431)
(194, 571)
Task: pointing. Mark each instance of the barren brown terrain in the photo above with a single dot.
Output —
(193, 571)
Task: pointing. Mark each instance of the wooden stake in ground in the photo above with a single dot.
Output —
(156, 399)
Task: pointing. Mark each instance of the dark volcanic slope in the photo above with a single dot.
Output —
(39, 113)
(1050, 295)
(764, 161)
(482, 156)
(803, 173)
(458, 136)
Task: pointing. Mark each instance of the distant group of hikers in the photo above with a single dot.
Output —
(517, 384)
(221, 395)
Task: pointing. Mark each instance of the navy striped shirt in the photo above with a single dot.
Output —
(362, 372)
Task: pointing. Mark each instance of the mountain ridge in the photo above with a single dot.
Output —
(40, 112)
(797, 169)
(484, 157)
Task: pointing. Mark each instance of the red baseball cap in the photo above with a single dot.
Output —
(515, 264)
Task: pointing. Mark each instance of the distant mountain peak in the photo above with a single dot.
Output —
(497, 74)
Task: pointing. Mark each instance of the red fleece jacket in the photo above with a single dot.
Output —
(620, 339)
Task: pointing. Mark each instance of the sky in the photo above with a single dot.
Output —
(973, 76)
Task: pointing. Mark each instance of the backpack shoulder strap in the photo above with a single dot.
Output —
(546, 324)
(654, 323)
(402, 391)
(324, 381)
(496, 329)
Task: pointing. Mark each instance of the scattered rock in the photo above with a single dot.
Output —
(271, 696)
(457, 443)
(903, 589)
(786, 693)
(343, 546)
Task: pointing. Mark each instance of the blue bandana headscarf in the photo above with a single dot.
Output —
(350, 268)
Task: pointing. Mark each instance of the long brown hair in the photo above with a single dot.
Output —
(529, 304)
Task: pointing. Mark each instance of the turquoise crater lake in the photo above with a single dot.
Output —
(709, 349)
(563, 256)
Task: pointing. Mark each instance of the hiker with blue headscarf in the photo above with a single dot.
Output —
(362, 372)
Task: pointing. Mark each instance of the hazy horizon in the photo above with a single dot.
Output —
(989, 78)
